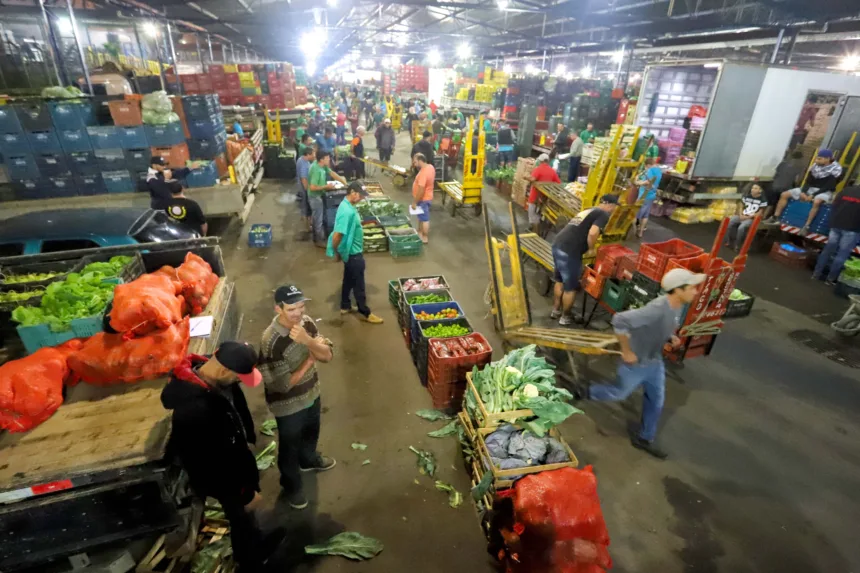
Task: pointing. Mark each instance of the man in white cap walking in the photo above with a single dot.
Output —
(642, 333)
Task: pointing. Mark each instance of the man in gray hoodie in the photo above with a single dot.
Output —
(385, 140)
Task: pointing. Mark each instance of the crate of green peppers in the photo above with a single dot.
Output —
(407, 299)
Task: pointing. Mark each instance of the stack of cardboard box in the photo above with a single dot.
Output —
(520, 192)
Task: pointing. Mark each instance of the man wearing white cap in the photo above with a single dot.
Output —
(385, 139)
(642, 332)
(543, 172)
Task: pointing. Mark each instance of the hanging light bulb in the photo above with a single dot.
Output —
(434, 57)
(464, 51)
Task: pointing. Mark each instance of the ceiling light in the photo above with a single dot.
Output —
(711, 65)
(531, 70)
(150, 28)
(503, 4)
(310, 67)
(559, 71)
(618, 56)
(585, 72)
(433, 57)
(464, 51)
(402, 39)
(507, 68)
(332, 3)
(568, 76)
(64, 25)
(636, 77)
(183, 41)
(850, 62)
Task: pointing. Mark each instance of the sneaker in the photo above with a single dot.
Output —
(297, 500)
(347, 310)
(322, 464)
(649, 447)
(565, 321)
(816, 278)
(372, 319)
(829, 282)
(804, 231)
(555, 314)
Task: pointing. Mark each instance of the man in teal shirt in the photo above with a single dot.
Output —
(318, 183)
(587, 135)
(346, 244)
(648, 183)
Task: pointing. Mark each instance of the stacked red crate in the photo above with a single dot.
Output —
(446, 373)
(246, 67)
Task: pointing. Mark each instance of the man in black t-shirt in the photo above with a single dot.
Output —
(184, 210)
(576, 239)
(844, 234)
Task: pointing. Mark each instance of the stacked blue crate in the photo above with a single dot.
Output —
(164, 135)
(205, 176)
(796, 213)
(132, 137)
(105, 137)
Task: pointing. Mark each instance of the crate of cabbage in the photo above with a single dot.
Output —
(34, 275)
(518, 388)
(71, 308)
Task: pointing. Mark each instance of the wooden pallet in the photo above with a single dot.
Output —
(568, 203)
(568, 339)
(538, 249)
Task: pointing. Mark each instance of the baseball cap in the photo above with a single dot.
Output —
(677, 278)
(289, 294)
(386, 120)
(543, 157)
(157, 160)
(612, 199)
(358, 187)
(826, 153)
(241, 358)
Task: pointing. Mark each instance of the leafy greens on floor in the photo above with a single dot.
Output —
(348, 544)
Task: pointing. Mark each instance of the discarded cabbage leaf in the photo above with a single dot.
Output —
(268, 428)
(349, 544)
(432, 415)
(426, 462)
(483, 486)
(448, 429)
(359, 446)
(266, 458)
(455, 498)
(365, 462)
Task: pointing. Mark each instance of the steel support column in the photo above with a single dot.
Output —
(80, 47)
(51, 40)
(173, 57)
(209, 43)
(199, 53)
(777, 46)
(790, 51)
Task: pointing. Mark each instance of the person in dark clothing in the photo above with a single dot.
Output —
(210, 431)
(506, 143)
(385, 139)
(424, 147)
(157, 177)
(561, 143)
(355, 165)
(787, 176)
(819, 187)
(844, 234)
(184, 210)
(575, 240)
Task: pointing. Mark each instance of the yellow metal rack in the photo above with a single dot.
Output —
(468, 192)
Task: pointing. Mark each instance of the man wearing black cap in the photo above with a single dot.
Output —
(157, 178)
(568, 248)
(424, 147)
(346, 243)
(289, 351)
(211, 430)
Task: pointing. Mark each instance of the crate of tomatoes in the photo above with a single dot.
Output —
(448, 362)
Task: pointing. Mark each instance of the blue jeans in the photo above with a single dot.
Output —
(840, 243)
(573, 168)
(506, 157)
(317, 216)
(652, 377)
(340, 132)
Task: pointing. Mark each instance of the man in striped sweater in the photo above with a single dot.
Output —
(290, 349)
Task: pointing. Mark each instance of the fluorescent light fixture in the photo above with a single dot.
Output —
(568, 76)
(386, 62)
(585, 72)
(503, 4)
(402, 39)
(433, 57)
(464, 51)
(331, 3)
(618, 56)
(531, 70)
(712, 65)
(310, 67)
(507, 68)
(150, 28)
(559, 71)
(850, 62)
(64, 25)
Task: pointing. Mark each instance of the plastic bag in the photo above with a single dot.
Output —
(198, 282)
(157, 102)
(107, 359)
(146, 304)
(31, 388)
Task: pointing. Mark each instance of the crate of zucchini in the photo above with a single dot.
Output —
(375, 239)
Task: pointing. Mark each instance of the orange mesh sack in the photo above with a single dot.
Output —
(146, 304)
(107, 359)
(563, 505)
(170, 272)
(31, 388)
(198, 282)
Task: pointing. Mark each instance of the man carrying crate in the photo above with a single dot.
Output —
(642, 333)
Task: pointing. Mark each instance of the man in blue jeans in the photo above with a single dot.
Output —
(642, 333)
(844, 234)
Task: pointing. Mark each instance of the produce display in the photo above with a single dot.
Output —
(522, 380)
(78, 296)
(374, 232)
(445, 331)
(364, 209)
(13, 296)
(428, 298)
(389, 209)
(109, 269)
(738, 294)
(511, 448)
(441, 315)
(458, 347)
(424, 284)
(851, 270)
(27, 278)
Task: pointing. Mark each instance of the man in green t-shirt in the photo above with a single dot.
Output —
(346, 244)
(318, 183)
(588, 134)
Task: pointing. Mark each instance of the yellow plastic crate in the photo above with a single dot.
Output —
(231, 68)
(246, 77)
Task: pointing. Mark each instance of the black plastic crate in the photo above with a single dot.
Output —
(62, 268)
(739, 308)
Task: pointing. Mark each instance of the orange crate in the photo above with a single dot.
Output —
(608, 257)
(125, 112)
(175, 155)
(695, 264)
(653, 257)
(592, 283)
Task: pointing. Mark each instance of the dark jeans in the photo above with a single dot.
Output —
(384, 154)
(573, 169)
(245, 534)
(298, 435)
(353, 282)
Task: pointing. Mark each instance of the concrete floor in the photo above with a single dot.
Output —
(763, 468)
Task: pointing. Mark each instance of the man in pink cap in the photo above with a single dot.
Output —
(211, 430)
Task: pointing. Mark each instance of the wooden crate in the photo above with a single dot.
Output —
(485, 419)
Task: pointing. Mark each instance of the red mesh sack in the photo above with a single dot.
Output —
(563, 508)
(198, 282)
(146, 304)
(107, 359)
(31, 388)
(170, 272)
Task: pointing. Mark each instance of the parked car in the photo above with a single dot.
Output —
(72, 229)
